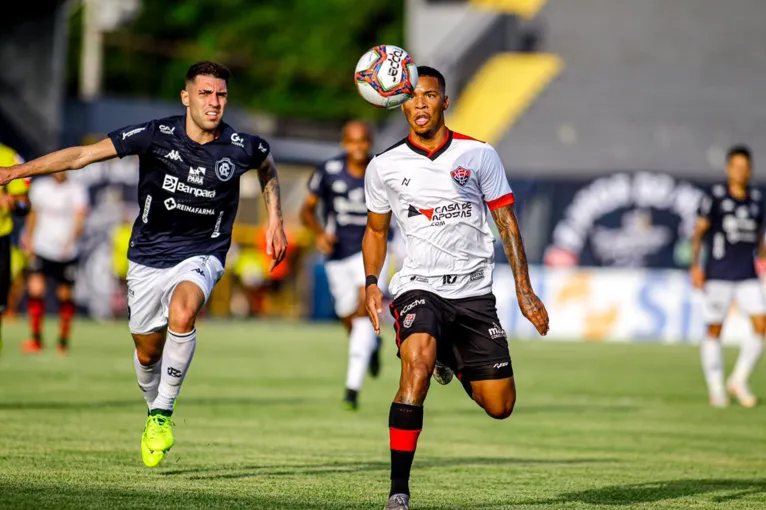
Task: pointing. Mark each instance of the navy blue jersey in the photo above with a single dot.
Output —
(345, 212)
(188, 192)
(735, 229)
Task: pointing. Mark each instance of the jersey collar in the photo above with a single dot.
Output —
(432, 155)
(225, 136)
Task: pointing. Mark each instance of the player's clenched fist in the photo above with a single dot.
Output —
(534, 310)
(374, 305)
(276, 244)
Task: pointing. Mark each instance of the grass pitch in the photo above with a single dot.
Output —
(259, 424)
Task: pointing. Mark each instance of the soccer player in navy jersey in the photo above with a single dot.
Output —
(337, 185)
(189, 171)
(730, 224)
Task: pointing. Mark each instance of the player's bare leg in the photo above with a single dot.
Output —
(362, 349)
(36, 287)
(405, 420)
(711, 355)
(496, 396)
(749, 353)
(66, 314)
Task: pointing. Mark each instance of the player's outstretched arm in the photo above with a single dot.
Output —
(701, 228)
(374, 247)
(531, 306)
(72, 158)
(276, 240)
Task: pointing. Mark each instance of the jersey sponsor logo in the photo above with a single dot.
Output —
(339, 187)
(439, 215)
(171, 204)
(224, 169)
(262, 148)
(166, 130)
(421, 279)
(412, 305)
(496, 331)
(217, 228)
(147, 205)
(449, 279)
(237, 140)
(196, 175)
(461, 176)
(408, 320)
(172, 184)
(173, 155)
(476, 275)
(132, 132)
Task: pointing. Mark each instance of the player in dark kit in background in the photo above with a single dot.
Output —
(438, 185)
(189, 170)
(338, 186)
(731, 223)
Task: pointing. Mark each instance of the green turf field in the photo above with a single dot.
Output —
(260, 425)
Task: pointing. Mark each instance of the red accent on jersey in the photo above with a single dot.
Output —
(501, 202)
(461, 136)
(403, 440)
(428, 213)
(428, 152)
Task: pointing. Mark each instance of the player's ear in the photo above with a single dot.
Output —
(446, 102)
(185, 98)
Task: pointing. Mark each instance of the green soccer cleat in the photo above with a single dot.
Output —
(158, 433)
(151, 459)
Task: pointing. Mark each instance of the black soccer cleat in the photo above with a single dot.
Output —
(350, 401)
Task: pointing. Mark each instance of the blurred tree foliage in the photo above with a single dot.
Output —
(293, 58)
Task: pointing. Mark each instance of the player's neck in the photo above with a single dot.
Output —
(198, 134)
(355, 169)
(738, 191)
(432, 140)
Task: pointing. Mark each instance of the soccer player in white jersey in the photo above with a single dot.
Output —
(438, 185)
(53, 228)
(731, 224)
(338, 186)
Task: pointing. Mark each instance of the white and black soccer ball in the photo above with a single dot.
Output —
(386, 76)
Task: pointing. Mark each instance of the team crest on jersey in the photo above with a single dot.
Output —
(461, 176)
(224, 169)
(408, 320)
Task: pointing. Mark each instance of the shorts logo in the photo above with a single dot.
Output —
(461, 176)
(500, 365)
(408, 320)
(413, 305)
(496, 331)
(224, 168)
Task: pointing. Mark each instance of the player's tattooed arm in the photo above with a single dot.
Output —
(701, 228)
(374, 246)
(71, 158)
(276, 240)
(510, 233)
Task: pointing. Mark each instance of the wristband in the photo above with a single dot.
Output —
(21, 208)
(371, 280)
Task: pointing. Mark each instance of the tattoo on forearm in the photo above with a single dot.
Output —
(513, 247)
(267, 175)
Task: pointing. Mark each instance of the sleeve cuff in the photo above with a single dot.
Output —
(501, 202)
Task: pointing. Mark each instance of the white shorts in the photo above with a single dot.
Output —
(719, 294)
(346, 277)
(150, 289)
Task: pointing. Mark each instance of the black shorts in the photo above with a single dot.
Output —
(5, 271)
(469, 337)
(60, 272)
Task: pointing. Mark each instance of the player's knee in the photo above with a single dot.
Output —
(182, 318)
(148, 356)
(36, 286)
(500, 409)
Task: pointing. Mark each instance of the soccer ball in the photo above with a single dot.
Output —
(386, 76)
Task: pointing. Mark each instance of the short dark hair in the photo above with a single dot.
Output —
(740, 150)
(208, 68)
(433, 73)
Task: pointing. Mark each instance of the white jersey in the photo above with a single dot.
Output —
(56, 206)
(440, 200)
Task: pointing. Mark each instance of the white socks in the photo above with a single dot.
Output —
(362, 343)
(711, 354)
(749, 354)
(176, 358)
(148, 379)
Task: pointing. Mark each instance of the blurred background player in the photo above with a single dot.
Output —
(731, 224)
(53, 229)
(13, 200)
(339, 185)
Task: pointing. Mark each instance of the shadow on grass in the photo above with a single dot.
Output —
(234, 472)
(717, 491)
(214, 402)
